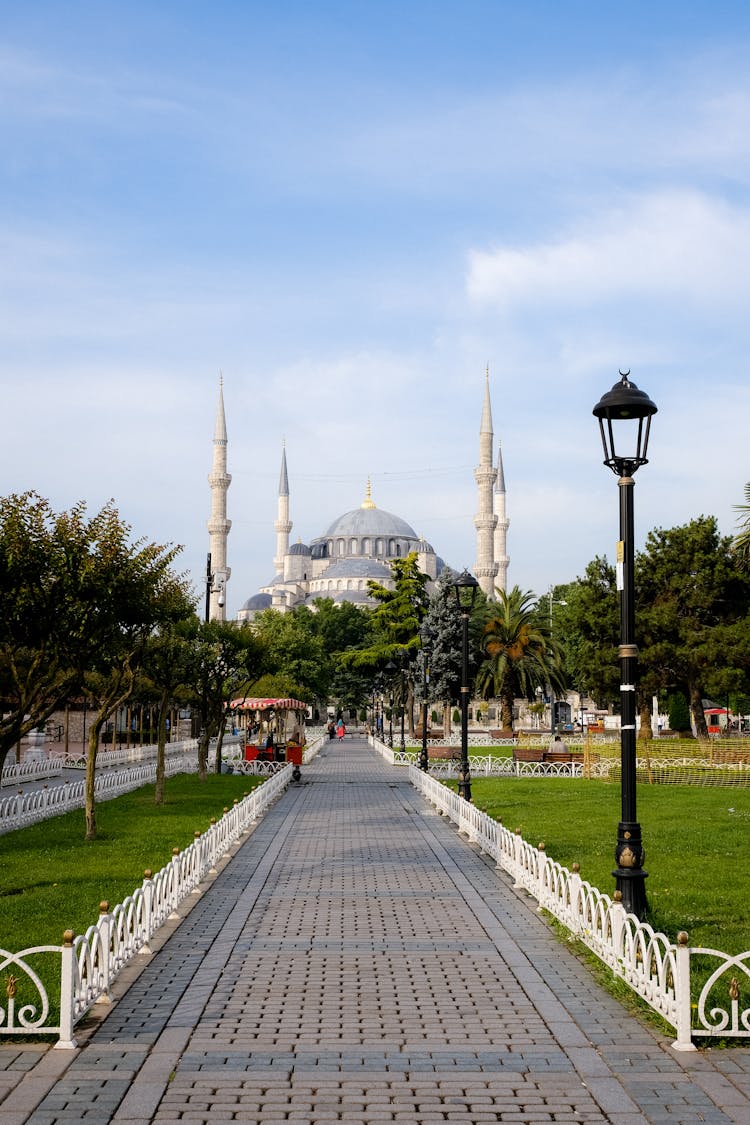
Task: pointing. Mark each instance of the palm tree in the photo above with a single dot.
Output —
(520, 653)
(742, 539)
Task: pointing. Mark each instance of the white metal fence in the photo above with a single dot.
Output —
(88, 964)
(17, 774)
(696, 990)
(21, 809)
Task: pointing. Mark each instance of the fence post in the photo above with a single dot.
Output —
(148, 911)
(104, 928)
(66, 1042)
(684, 1041)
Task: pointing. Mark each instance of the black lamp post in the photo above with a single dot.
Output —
(618, 411)
(424, 762)
(465, 588)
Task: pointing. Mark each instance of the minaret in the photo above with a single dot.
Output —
(485, 520)
(283, 524)
(219, 525)
(503, 523)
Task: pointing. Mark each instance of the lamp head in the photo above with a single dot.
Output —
(465, 588)
(623, 406)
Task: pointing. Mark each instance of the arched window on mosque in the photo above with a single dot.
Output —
(379, 547)
(329, 548)
(352, 546)
(392, 547)
(365, 546)
(341, 546)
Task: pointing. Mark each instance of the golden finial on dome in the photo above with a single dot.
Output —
(368, 501)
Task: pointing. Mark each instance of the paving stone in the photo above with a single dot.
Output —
(357, 960)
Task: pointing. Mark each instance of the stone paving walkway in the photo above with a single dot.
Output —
(357, 961)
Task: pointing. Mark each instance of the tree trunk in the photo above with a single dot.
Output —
(161, 741)
(203, 739)
(506, 711)
(94, 732)
(220, 741)
(696, 710)
(644, 710)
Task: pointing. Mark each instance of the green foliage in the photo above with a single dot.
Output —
(691, 601)
(77, 598)
(589, 628)
(741, 543)
(295, 649)
(520, 653)
(397, 616)
(228, 657)
(678, 711)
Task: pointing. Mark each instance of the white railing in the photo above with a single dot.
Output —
(30, 771)
(90, 963)
(126, 755)
(660, 972)
(22, 809)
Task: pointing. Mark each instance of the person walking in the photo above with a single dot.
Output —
(340, 730)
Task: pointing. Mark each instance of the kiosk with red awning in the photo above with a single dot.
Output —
(280, 731)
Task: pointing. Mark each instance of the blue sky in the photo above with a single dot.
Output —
(351, 209)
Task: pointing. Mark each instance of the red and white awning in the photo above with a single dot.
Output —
(253, 703)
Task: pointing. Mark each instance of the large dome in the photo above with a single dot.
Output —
(369, 521)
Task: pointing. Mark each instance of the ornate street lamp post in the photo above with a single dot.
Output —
(619, 411)
(465, 588)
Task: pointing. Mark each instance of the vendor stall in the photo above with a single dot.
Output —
(274, 728)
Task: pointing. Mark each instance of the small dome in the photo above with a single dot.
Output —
(299, 549)
(256, 602)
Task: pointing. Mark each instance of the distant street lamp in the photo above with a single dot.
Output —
(623, 407)
(552, 601)
(465, 588)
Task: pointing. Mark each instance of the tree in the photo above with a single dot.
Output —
(168, 662)
(229, 657)
(689, 593)
(72, 589)
(589, 624)
(442, 634)
(294, 649)
(741, 543)
(396, 621)
(520, 653)
(48, 597)
(137, 591)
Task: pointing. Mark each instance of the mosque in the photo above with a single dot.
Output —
(359, 545)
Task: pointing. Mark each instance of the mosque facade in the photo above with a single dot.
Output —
(358, 546)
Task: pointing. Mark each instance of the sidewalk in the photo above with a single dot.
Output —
(357, 961)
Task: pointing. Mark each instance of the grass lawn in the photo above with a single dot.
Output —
(51, 879)
(695, 841)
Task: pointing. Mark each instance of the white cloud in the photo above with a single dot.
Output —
(667, 245)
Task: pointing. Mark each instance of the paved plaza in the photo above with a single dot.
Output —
(356, 960)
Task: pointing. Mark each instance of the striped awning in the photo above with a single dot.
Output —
(253, 703)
